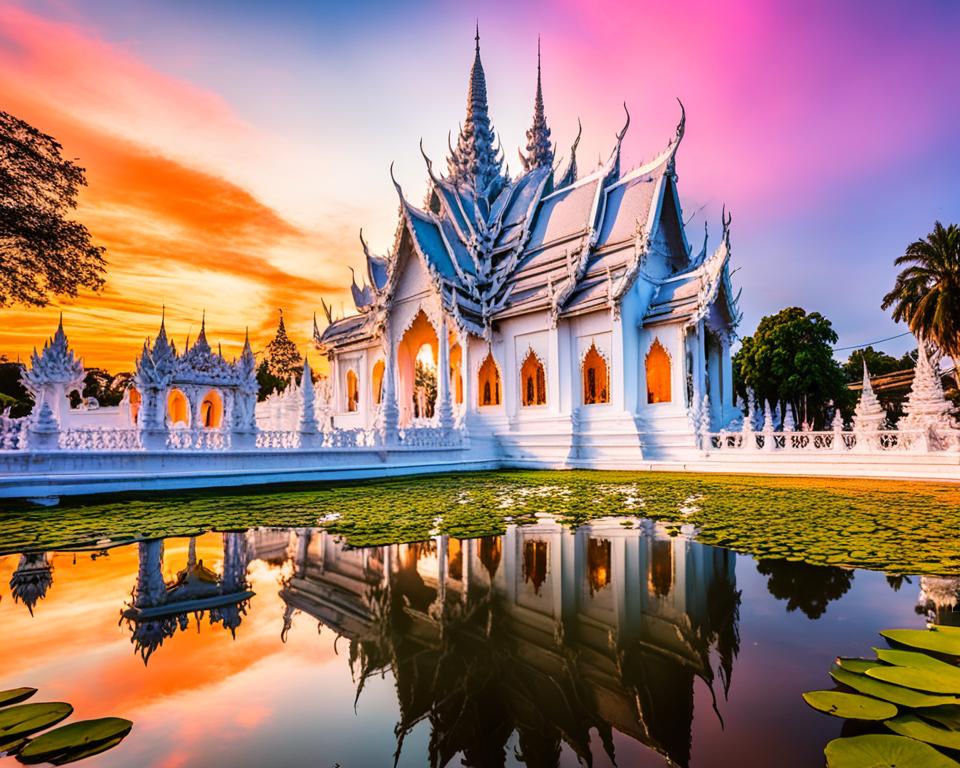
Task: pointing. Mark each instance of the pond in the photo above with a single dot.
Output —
(605, 639)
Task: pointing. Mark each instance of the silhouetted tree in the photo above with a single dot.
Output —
(42, 252)
(807, 587)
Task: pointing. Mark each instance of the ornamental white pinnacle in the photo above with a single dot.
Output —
(869, 415)
(55, 365)
(926, 407)
(475, 163)
(539, 147)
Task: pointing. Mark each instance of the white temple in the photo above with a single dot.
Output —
(567, 312)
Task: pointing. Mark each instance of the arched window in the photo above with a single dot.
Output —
(661, 566)
(135, 401)
(598, 563)
(353, 391)
(596, 378)
(489, 380)
(377, 388)
(178, 409)
(658, 374)
(456, 376)
(533, 381)
(535, 563)
(211, 410)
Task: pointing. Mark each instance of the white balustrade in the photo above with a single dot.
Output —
(197, 440)
(99, 439)
(833, 441)
(13, 433)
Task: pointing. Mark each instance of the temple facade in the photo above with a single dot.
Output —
(559, 314)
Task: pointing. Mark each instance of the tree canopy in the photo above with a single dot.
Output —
(878, 363)
(926, 295)
(42, 252)
(282, 356)
(790, 359)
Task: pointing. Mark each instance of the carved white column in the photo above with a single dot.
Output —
(444, 406)
(391, 413)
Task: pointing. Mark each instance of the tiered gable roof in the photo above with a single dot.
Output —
(547, 241)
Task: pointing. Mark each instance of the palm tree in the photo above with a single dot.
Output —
(927, 293)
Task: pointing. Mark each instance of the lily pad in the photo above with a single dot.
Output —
(68, 740)
(948, 716)
(889, 692)
(931, 680)
(876, 750)
(910, 725)
(859, 666)
(11, 747)
(24, 719)
(852, 705)
(90, 751)
(912, 659)
(927, 639)
(15, 696)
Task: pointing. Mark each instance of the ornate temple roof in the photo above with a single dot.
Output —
(55, 364)
(547, 241)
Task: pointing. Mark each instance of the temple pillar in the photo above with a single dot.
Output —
(726, 380)
(444, 405)
(469, 398)
(151, 589)
(557, 400)
(390, 422)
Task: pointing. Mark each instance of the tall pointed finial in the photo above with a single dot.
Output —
(474, 162)
(163, 316)
(539, 147)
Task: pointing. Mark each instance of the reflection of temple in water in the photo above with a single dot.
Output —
(939, 596)
(160, 607)
(32, 579)
(543, 631)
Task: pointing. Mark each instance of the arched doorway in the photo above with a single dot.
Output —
(596, 378)
(417, 355)
(135, 401)
(658, 374)
(533, 381)
(353, 391)
(178, 409)
(211, 410)
(456, 371)
(377, 381)
(489, 382)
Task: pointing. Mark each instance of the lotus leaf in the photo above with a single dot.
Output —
(889, 692)
(876, 750)
(913, 659)
(15, 696)
(24, 719)
(65, 742)
(948, 715)
(908, 724)
(928, 640)
(89, 751)
(859, 666)
(852, 705)
(11, 747)
(930, 680)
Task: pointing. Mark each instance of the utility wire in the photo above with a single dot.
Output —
(871, 343)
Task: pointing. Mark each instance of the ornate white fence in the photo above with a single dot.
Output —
(836, 441)
(99, 439)
(13, 433)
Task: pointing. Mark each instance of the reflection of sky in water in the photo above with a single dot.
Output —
(559, 629)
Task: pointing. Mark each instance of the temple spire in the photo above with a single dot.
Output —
(475, 163)
(539, 147)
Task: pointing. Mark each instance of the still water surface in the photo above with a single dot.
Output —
(608, 645)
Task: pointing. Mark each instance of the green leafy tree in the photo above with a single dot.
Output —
(12, 393)
(790, 359)
(42, 252)
(425, 376)
(926, 295)
(282, 356)
(878, 363)
(106, 387)
(268, 382)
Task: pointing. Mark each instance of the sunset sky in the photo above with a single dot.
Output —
(234, 149)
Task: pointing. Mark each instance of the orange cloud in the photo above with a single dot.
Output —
(175, 234)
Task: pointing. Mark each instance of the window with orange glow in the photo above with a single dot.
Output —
(658, 374)
(661, 566)
(377, 389)
(489, 381)
(598, 563)
(535, 563)
(353, 391)
(135, 401)
(178, 408)
(211, 410)
(596, 378)
(533, 381)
